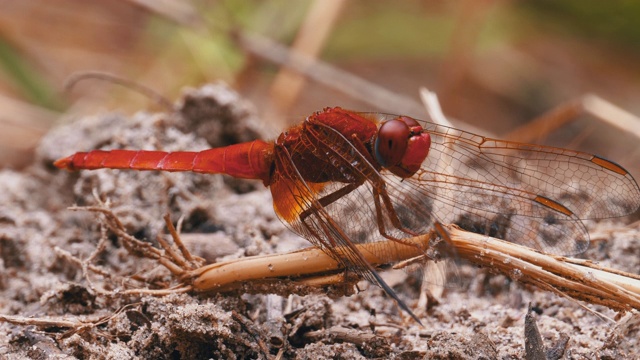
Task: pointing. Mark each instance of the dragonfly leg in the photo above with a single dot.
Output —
(329, 199)
(379, 191)
(443, 233)
(334, 196)
(362, 266)
(325, 233)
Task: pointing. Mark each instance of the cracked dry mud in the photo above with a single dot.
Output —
(230, 218)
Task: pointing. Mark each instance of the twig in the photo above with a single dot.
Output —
(432, 105)
(341, 334)
(129, 242)
(576, 278)
(371, 344)
(604, 286)
(309, 41)
(176, 238)
(172, 261)
(75, 326)
(569, 111)
(75, 78)
(332, 77)
(310, 261)
(41, 322)
(250, 329)
(177, 258)
(275, 320)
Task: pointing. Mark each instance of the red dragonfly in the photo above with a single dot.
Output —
(341, 178)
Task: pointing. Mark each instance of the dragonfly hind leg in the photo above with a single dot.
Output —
(380, 193)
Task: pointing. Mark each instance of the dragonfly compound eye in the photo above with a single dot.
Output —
(392, 141)
(401, 146)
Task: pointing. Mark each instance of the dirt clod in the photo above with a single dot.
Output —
(67, 282)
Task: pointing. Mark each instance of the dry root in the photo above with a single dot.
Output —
(576, 278)
(312, 268)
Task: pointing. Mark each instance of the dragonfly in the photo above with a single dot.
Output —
(341, 178)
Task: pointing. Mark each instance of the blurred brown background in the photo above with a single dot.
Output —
(496, 65)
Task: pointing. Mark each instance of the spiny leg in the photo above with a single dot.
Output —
(351, 257)
(379, 191)
(329, 199)
(395, 221)
(445, 237)
(363, 267)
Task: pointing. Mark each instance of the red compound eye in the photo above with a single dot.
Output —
(401, 146)
(392, 141)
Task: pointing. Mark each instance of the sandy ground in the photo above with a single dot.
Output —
(64, 271)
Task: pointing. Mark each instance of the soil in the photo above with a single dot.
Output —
(64, 277)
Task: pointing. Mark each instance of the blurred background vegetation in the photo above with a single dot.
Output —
(496, 65)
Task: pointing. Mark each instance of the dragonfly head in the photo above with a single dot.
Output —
(401, 146)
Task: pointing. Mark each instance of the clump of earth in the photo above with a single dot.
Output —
(65, 278)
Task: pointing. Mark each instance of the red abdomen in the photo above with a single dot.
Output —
(251, 160)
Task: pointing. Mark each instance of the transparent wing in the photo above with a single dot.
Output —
(502, 212)
(528, 194)
(590, 186)
(333, 215)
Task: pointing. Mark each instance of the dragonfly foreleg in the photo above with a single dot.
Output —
(380, 192)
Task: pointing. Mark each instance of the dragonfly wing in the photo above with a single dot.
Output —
(330, 214)
(331, 226)
(502, 212)
(528, 194)
(589, 186)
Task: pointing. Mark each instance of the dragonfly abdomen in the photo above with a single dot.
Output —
(251, 160)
